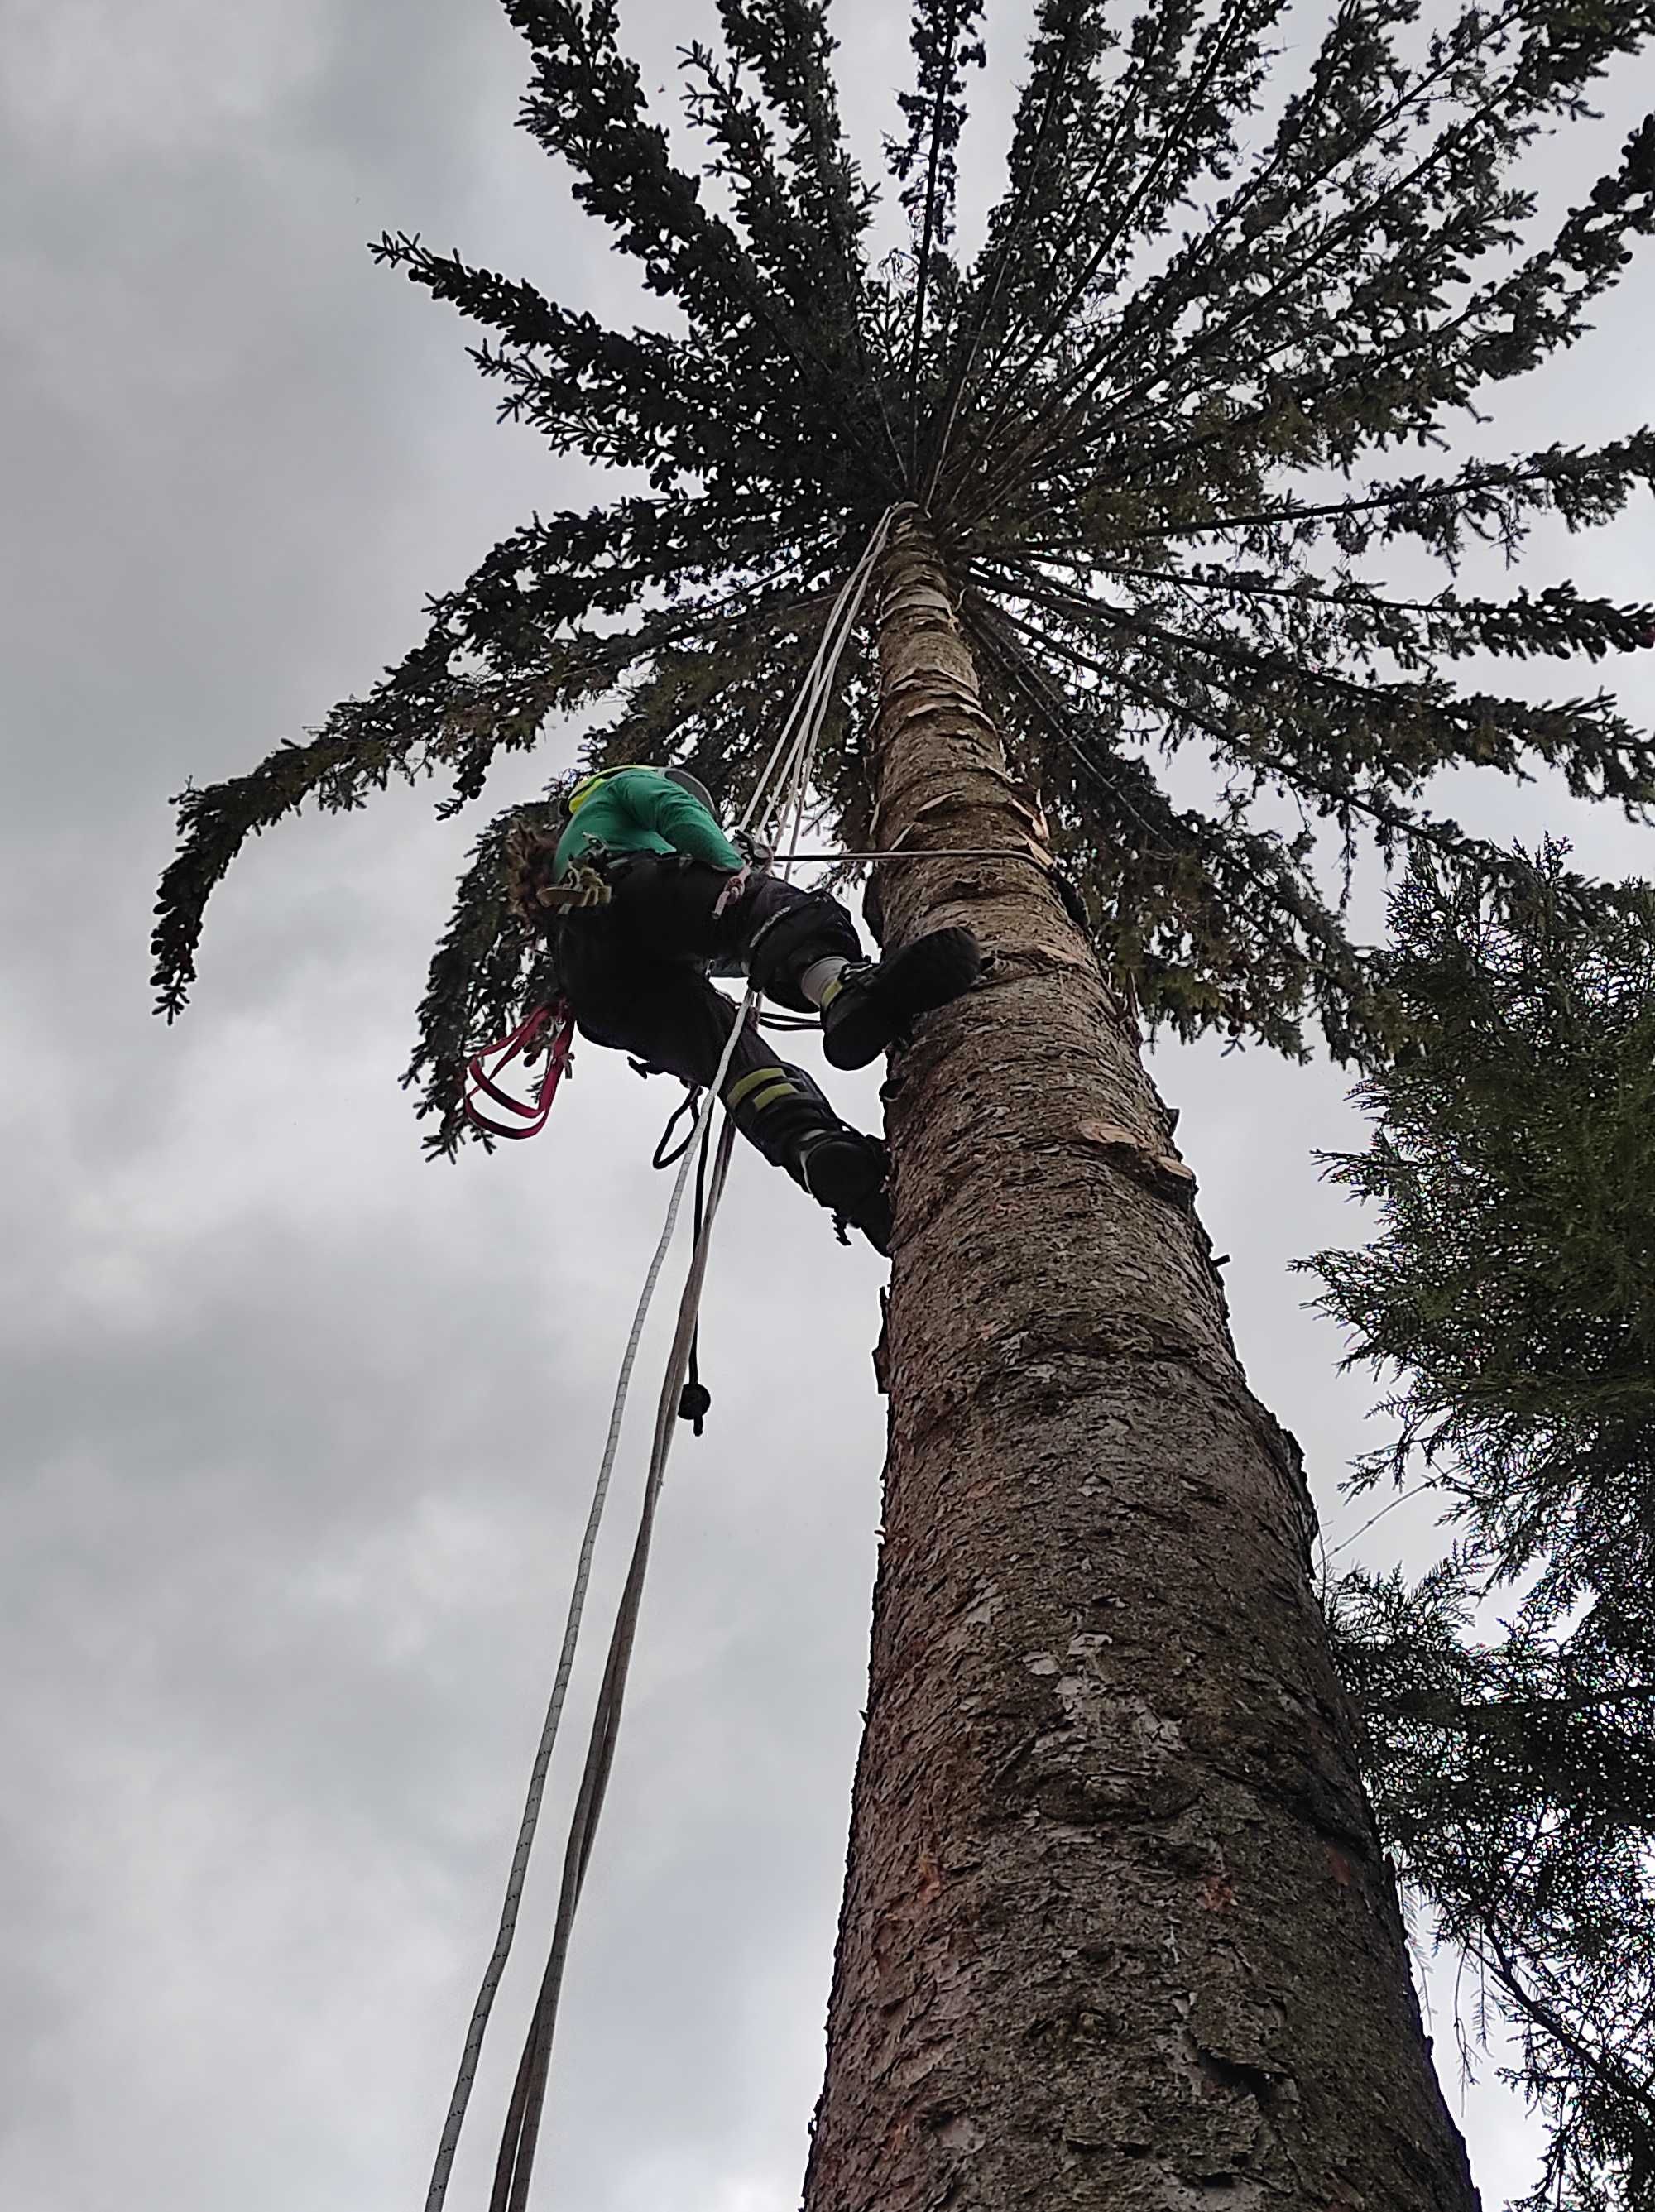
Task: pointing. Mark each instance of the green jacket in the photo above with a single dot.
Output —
(641, 809)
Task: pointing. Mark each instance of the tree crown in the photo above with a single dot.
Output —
(1158, 424)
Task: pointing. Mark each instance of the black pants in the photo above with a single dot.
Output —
(635, 972)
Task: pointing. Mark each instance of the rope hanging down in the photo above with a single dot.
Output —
(514, 2165)
(779, 795)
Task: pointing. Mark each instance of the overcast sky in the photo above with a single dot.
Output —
(300, 1429)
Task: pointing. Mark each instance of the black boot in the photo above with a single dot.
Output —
(845, 1172)
(870, 1006)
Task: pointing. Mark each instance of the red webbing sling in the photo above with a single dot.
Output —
(530, 1114)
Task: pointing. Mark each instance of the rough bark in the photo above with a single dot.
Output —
(1117, 1932)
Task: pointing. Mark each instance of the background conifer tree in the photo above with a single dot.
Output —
(1119, 1930)
(1511, 1290)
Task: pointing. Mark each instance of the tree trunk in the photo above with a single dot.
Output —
(1117, 1931)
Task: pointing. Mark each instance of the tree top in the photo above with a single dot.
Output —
(1202, 378)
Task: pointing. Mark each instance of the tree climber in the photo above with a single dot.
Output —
(650, 899)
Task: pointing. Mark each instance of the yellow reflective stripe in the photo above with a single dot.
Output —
(831, 993)
(583, 791)
(749, 1083)
(782, 1089)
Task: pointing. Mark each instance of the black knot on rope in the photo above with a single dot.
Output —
(695, 1403)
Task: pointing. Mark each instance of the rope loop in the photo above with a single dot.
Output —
(521, 1044)
(662, 1157)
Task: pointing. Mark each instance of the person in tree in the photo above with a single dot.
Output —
(649, 898)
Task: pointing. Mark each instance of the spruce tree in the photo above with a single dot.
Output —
(1511, 1289)
(1119, 1928)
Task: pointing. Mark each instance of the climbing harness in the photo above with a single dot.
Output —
(779, 796)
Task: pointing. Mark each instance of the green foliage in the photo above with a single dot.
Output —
(1513, 1285)
(1154, 423)
(1515, 1784)
(1511, 1290)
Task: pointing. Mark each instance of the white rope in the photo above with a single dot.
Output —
(782, 786)
(810, 705)
(496, 1966)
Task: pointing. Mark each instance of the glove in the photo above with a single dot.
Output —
(734, 888)
(753, 850)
